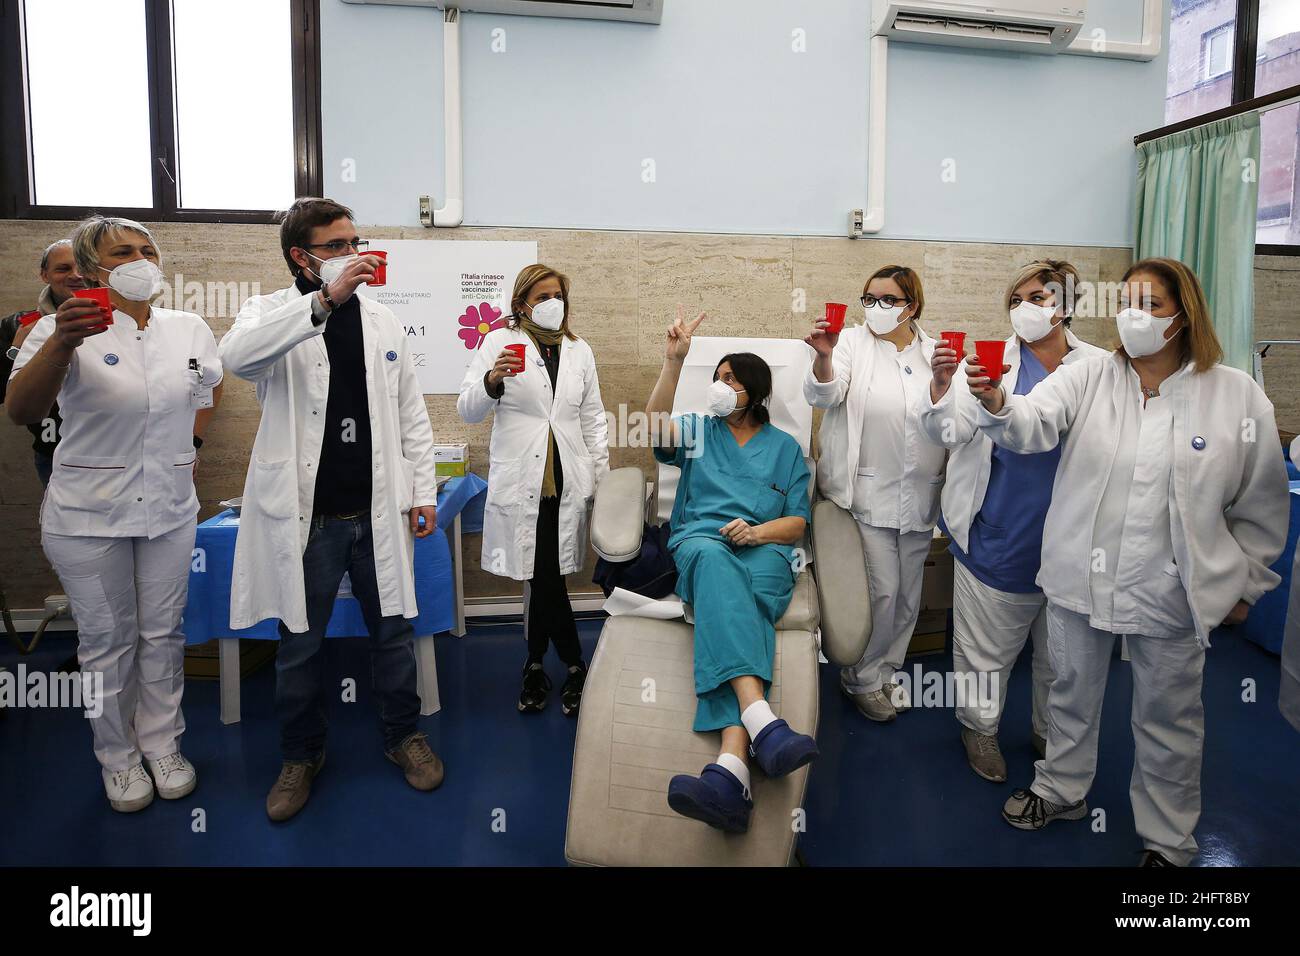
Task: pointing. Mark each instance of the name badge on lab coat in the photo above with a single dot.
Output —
(200, 398)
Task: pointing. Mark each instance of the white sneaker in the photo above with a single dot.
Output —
(898, 696)
(128, 790)
(174, 776)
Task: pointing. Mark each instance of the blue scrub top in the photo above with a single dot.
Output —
(721, 481)
(1006, 537)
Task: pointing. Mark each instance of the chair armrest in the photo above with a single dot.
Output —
(843, 590)
(618, 515)
(801, 614)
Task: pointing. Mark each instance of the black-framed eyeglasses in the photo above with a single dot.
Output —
(341, 246)
(888, 301)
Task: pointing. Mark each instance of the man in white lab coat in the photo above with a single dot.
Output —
(341, 477)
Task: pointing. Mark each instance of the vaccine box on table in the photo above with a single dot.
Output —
(450, 460)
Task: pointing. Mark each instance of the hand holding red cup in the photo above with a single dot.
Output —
(518, 350)
(989, 363)
(381, 270)
(100, 296)
(835, 317)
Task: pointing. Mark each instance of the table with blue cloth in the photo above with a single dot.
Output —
(439, 592)
(1266, 623)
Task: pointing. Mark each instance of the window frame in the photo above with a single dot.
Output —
(1207, 41)
(16, 188)
(1245, 60)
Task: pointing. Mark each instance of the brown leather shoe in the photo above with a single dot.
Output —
(421, 765)
(292, 788)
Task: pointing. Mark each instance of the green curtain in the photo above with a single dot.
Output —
(1197, 199)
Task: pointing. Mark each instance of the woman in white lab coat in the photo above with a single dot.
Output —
(118, 518)
(1170, 505)
(994, 504)
(548, 452)
(877, 463)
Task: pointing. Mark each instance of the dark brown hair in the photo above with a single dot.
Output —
(297, 222)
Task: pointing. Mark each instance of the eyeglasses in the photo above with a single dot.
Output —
(888, 301)
(341, 246)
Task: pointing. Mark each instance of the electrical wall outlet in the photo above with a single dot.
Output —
(57, 604)
(426, 211)
(855, 224)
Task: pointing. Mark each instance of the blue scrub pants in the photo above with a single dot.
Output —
(737, 595)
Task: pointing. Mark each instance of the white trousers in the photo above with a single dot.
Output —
(1168, 727)
(989, 628)
(128, 595)
(895, 569)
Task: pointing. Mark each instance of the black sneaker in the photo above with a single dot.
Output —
(1026, 810)
(532, 696)
(1152, 858)
(571, 691)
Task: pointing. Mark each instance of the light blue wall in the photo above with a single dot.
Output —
(746, 135)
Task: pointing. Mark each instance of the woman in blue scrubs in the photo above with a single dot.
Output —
(742, 503)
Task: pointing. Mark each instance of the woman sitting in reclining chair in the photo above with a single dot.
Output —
(741, 503)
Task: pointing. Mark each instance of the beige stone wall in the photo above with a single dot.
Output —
(625, 289)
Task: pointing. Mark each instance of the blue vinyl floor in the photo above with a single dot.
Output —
(880, 795)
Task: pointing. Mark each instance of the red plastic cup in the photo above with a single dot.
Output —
(27, 318)
(835, 317)
(100, 295)
(955, 341)
(519, 351)
(381, 270)
(989, 354)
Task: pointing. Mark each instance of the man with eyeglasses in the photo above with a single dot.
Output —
(342, 475)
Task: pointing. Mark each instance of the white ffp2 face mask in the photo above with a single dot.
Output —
(722, 399)
(1142, 333)
(331, 269)
(549, 314)
(139, 280)
(882, 320)
(1033, 322)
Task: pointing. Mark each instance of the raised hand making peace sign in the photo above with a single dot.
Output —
(679, 335)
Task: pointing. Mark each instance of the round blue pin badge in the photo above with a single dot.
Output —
(110, 359)
(1198, 443)
(392, 356)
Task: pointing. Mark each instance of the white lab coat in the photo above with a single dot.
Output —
(845, 401)
(517, 454)
(1229, 508)
(275, 344)
(952, 423)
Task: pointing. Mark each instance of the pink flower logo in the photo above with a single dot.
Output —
(478, 321)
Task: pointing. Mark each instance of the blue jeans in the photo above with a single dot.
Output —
(336, 545)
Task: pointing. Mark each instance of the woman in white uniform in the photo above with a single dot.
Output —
(1170, 505)
(118, 518)
(877, 463)
(994, 505)
(549, 450)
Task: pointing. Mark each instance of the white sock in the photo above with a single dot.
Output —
(736, 766)
(756, 716)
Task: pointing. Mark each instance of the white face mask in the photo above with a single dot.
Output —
(331, 269)
(1142, 333)
(139, 280)
(1033, 322)
(882, 320)
(722, 399)
(549, 314)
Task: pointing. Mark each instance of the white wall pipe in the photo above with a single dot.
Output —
(1148, 48)
(452, 212)
(874, 216)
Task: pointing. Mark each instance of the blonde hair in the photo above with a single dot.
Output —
(1200, 344)
(1057, 275)
(88, 234)
(907, 280)
(528, 277)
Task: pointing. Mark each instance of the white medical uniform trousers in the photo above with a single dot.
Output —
(895, 570)
(989, 628)
(1168, 727)
(127, 596)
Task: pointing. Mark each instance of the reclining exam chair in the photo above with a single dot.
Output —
(638, 705)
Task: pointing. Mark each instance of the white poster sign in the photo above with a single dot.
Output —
(447, 295)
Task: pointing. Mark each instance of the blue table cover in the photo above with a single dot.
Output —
(1266, 623)
(207, 612)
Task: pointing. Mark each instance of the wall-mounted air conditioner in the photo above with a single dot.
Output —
(1027, 26)
(637, 11)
